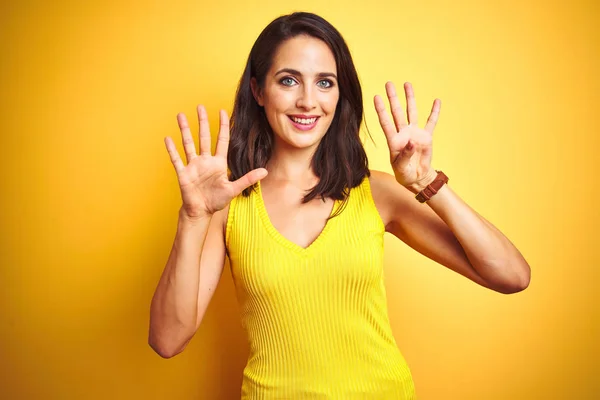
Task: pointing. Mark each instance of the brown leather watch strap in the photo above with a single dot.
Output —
(433, 187)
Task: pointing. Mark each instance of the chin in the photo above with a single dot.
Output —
(299, 143)
(303, 140)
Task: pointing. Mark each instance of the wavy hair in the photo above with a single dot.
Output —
(340, 160)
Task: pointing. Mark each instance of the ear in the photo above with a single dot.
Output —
(256, 91)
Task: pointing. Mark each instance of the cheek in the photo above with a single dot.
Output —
(278, 101)
(331, 103)
(276, 104)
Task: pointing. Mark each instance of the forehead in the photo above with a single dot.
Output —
(305, 54)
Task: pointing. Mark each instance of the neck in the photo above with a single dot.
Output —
(292, 165)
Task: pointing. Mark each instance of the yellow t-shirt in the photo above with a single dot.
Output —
(316, 317)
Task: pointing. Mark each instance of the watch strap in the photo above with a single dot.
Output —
(433, 187)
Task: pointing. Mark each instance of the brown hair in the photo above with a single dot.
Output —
(340, 160)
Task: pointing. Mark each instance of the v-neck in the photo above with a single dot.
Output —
(264, 215)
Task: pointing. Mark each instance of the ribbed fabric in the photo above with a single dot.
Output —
(316, 318)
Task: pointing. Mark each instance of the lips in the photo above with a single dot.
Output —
(302, 122)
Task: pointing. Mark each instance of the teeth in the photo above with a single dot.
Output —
(304, 121)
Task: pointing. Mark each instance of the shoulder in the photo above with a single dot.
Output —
(389, 196)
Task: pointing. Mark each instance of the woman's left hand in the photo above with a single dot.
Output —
(410, 146)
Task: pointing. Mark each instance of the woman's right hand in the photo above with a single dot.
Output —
(205, 187)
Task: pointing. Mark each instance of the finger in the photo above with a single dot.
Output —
(384, 119)
(411, 104)
(248, 180)
(433, 117)
(395, 106)
(186, 137)
(204, 131)
(223, 139)
(174, 155)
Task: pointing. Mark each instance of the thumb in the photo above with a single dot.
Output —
(248, 180)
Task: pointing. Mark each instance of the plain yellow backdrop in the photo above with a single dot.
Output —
(89, 197)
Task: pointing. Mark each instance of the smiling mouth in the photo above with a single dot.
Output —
(303, 121)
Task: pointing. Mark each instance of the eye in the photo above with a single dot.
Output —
(325, 83)
(287, 81)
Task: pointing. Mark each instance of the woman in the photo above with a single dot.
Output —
(302, 219)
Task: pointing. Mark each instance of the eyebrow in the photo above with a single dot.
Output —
(295, 72)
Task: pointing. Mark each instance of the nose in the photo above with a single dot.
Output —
(307, 98)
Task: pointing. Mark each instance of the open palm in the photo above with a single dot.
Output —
(204, 184)
(410, 147)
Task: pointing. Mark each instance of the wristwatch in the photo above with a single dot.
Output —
(432, 188)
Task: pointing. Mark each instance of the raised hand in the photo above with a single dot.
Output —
(205, 187)
(410, 146)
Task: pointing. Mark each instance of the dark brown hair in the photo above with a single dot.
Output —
(340, 160)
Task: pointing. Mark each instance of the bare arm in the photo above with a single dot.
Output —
(448, 231)
(491, 254)
(174, 308)
(196, 260)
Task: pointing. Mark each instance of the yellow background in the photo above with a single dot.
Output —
(90, 199)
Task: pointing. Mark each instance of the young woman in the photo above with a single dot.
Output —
(302, 218)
